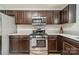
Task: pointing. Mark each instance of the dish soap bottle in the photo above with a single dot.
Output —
(61, 29)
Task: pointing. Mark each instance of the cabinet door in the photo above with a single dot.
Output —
(52, 45)
(23, 17)
(59, 44)
(61, 17)
(66, 48)
(13, 45)
(69, 49)
(72, 13)
(66, 15)
(19, 17)
(56, 17)
(74, 50)
(19, 46)
(27, 17)
(23, 46)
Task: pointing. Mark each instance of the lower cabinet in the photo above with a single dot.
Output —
(52, 44)
(60, 44)
(69, 49)
(19, 45)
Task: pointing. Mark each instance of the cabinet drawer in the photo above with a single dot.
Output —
(52, 37)
(19, 37)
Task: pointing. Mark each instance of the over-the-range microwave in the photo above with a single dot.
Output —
(38, 21)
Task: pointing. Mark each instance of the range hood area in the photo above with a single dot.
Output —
(39, 29)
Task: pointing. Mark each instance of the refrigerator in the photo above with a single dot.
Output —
(7, 26)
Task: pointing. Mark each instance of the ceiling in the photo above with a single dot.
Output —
(32, 6)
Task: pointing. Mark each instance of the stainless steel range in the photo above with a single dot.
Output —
(38, 42)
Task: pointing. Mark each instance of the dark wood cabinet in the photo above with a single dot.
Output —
(19, 44)
(72, 13)
(52, 44)
(64, 15)
(19, 17)
(68, 14)
(60, 44)
(52, 17)
(70, 47)
(56, 17)
(23, 17)
(27, 17)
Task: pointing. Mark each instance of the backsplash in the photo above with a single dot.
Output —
(24, 29)
(28, 29)
(72, 28)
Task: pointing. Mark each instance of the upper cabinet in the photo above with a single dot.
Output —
(72, 13)
(23, 17)
(68, 14)
(56, 17)
(19, 17)
(48, 15)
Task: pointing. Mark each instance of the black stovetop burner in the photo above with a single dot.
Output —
(38, 33)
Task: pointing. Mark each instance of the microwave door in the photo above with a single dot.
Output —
(36, 20)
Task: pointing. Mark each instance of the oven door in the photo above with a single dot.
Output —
(38, 42)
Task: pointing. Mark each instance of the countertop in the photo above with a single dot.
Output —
(75, 37)
(19, 34)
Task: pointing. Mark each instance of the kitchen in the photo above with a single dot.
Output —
(39, 29)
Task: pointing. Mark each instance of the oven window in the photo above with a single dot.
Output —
(41, 43)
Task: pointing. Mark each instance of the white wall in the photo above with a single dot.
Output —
(8, 26)
(0, 25)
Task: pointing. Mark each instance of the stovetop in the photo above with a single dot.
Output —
(38, 35)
